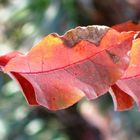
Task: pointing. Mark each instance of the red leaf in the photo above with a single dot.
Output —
(60, 70)
(122, 101)
(6, 58)
(127, 26)
(130, 82)
(25, 85)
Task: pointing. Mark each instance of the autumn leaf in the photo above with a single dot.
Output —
(60, 70)
(122, 101)
(25, 85)
(125, 89)
(130, 81)
(127, 26)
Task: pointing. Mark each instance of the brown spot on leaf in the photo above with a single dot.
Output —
(93, 34)
(113, 56)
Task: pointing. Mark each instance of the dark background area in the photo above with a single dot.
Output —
(22, 24)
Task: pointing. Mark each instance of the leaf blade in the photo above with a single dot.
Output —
(59, 80)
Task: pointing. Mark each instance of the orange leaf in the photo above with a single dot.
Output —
(60, 70)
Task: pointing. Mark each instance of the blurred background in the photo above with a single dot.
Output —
(22, 24)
